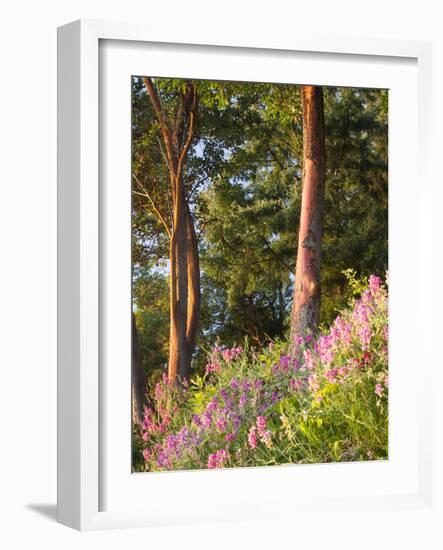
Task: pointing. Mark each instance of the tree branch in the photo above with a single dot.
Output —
(155, 100)
(162, 152)
(187, 145)
(156, 210)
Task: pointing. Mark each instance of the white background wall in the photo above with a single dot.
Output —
(28, 236)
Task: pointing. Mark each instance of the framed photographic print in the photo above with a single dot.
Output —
(234, 285)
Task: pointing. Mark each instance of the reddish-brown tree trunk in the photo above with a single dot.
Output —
(306, 303)
(183, 246)
(194, 294)
(185, 299)
(179, 363)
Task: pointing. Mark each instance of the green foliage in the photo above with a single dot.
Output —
(150, 296)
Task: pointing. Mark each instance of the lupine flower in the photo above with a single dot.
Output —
(236, 421)
(313, 383)
(308, 358)
(295, 384)
(365, 334)
(331, 375)
(212, 461)
(213, 367)
(344, 331)
(361, 312)
(261, 424)
(221, 424)
(158, 391)
(207, 419)
(275, 397)
(146, 454)
(197, 420)
(252, 437)
(374, 284)
(243, 400)
(231, 354)
(342, 372)
(212, 405)
(378, 390)
(217, 459)
(284, 362)
(325, 348)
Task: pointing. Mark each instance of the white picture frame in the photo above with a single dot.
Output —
(82, 404)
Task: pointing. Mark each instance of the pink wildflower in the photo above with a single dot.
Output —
(325, 348)
(221, 424)
(206, 419)
(364, 334)
(295, 384)
(309, 361)
(331, 375)
(217, 459)
(378, 390)
(374, 284)
(266, 438)
(342, 372)
(243, 400)
(231, 354)
(158, 391)
(252, 437)
(148, 423)
(212, 366)
(344, 331)
(261, 424)
(146, 454)
(313, 383)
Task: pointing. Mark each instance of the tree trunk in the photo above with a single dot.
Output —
(184, 297)
(138, 378)
(306, 303)
(183, 247)
(178, 349)
(194, 295)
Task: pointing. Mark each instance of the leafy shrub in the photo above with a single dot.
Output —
(314, 400)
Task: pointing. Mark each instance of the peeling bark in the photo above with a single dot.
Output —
(306, 303)
(179, 364)
(194, 294)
